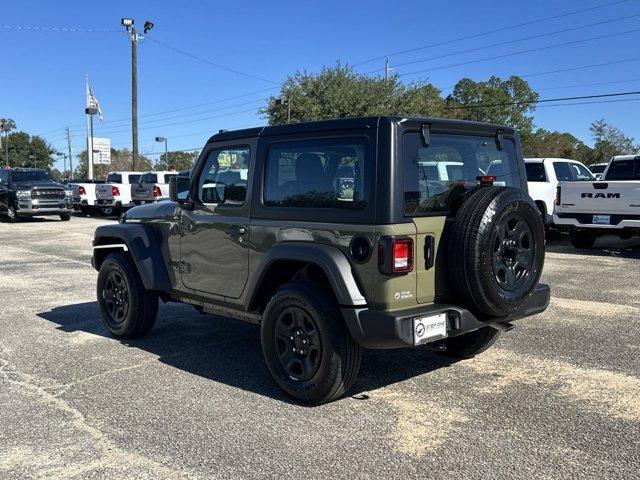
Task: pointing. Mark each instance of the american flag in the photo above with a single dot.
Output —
(92, 102)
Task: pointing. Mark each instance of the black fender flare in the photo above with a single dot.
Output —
(143, 245)
(330, 259)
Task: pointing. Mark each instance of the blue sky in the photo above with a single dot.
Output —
(42, 71)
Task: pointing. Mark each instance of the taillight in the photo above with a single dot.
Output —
(115, 191)
(402, 255)
(81, 190)
(156, 191)
(558, 195)
(395, 255)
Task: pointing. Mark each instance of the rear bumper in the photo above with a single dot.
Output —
(380, 330)
(101, 202)
(576, 222)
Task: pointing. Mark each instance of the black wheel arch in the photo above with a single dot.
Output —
(285, 260)
(144, 247)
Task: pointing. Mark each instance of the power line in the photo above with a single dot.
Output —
(583, 67)
(521, 52)
(57, 29)
(530, 102)
(217, 65)
(489, 32)
(508, 42)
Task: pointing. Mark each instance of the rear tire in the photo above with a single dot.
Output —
(582, 239)
(306, 345)
(127, 309)
(65, 217)
(471, 344)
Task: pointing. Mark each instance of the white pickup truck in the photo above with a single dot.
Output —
(84, 195)
(610, 206)
(152, 187)
(115, 195)
(543, 176)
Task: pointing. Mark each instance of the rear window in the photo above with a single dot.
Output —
(317, 174)
(167, 178)
(597, 168)
(624, 170)
(114, 178)
(535, 172)
(563, 171)
(434, 176)
(148, 178)
(134, 178)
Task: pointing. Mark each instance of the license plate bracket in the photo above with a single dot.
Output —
(429, 329)
(601, 219)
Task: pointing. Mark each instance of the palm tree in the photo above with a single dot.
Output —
(6, 125)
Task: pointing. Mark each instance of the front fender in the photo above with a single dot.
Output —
(330, 259)
(144, 247)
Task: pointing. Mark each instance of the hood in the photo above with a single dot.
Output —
(30, 185)
(162, 210)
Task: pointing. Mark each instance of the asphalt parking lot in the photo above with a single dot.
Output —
(558, 397)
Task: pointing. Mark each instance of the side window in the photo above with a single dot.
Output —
(580, 173)
(535, 172)
(563, 171)
(4, 177)
(224, 177)
(317, 174)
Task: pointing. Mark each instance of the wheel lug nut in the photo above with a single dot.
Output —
(291, 338)
(304, 341)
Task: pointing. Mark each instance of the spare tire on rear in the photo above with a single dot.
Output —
(496, 250)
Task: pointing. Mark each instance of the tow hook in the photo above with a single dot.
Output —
(503, 326)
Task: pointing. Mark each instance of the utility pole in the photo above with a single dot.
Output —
(69, 150)
(134, 37)
(387, 69)
(288, 109)
(134, 97)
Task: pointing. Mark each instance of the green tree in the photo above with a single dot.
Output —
(339, 91)
(176, 161)
(506, 102)
(544, 143)
(22, 146)
(609, 141)
(120, 161)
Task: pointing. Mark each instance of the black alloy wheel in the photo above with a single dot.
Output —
(297, 343)
(513, 252)
(116, 297)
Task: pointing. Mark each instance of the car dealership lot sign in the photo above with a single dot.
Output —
(101, 151)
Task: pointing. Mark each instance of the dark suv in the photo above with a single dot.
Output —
(29, 192)
(337, 235)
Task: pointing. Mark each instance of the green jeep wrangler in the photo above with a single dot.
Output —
(334, 236)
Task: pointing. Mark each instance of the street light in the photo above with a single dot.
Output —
(5, 127)
(127, 22)
(166, 154)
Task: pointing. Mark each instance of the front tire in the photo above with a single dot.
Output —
(12, 214)
(306, 345)
(127, 309)
(582, 239)
(65, 217)
(471, 344)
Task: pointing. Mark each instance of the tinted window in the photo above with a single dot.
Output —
(597, 168)
(623, 170)
(435, 175)
(134, 178)
(167, 178)
(4, 176)
(563, 171)
(580, 173)
(149, 178)
(30, 176)
(317, 173)
(535, 172)
(114, 178)
(224, 177)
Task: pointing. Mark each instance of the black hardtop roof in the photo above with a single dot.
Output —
(357, 123)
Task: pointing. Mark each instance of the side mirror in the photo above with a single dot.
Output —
(179, 189)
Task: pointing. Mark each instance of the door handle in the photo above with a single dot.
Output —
(236, 231)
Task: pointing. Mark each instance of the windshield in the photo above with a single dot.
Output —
(114, 178)
(31, 176)
(435, 175)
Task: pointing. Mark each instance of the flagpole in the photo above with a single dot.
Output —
(89, 132)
